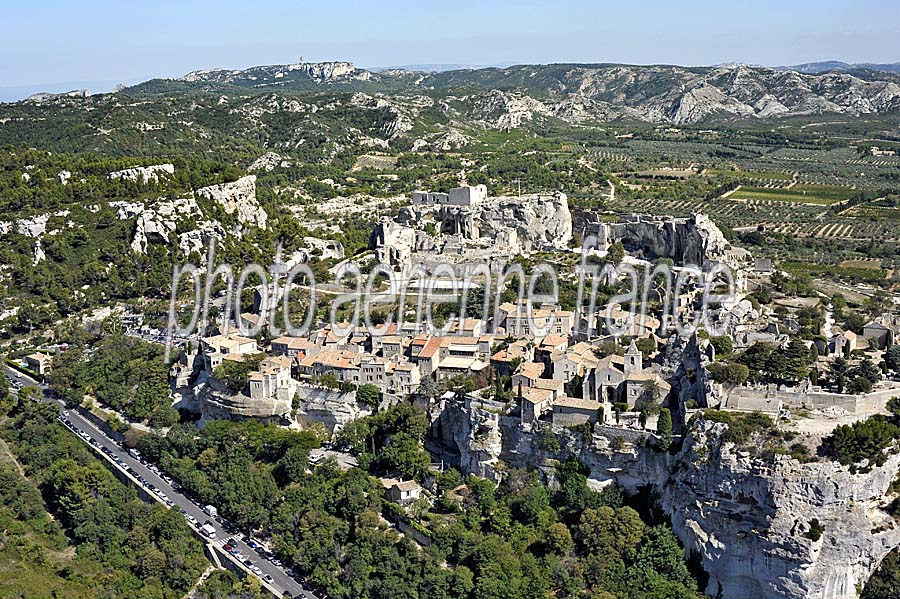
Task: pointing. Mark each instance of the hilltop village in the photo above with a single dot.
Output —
(619, 389)
(723, 422)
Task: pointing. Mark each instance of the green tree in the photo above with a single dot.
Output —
(616, 253)
(664, 428)
(892, 358)
(605, 531)
(729, 373)
(837, 373)
(369, 395)
(661, 552)
(404, 454)
(559, 539)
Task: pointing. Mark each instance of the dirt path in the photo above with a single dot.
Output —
(7, 456)
(206, 574)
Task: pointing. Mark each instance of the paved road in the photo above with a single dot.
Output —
(147, 476)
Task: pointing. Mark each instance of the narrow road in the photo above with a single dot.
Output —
(147, 476)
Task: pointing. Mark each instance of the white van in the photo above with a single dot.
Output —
(208, 530)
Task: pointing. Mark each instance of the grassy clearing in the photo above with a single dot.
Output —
(872, 264)
(775, 175)
(848, 273)
(375, 161)
(822, 195)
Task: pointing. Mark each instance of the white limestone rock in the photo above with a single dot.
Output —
(39, 255)
(507, 110)
(145, 174)
(238, 198)
(269, 162)
(156, 224)
(450, 141)
(126, 210)
(33, 226)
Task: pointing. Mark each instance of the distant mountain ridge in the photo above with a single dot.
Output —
(579, 92)
(458, 102)
(837, 65)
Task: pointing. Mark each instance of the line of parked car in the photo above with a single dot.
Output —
(120, 462)
(207, 528)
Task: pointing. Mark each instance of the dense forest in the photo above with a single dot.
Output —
(522, 539)
(69, 528)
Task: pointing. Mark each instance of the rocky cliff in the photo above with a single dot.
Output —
(501, 226)
(748, 519)
(695, 240)
(238, 198)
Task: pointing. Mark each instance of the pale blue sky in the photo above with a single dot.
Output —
(58, 42)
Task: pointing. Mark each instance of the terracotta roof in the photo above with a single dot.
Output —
(531, 370)
(550, 385)
(552, 340)
(298, 343)
(431, 347)
(534, 395)
(580, 404)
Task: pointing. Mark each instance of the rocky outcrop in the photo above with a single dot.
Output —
(269, 162)
(218, 403)
(324, 71)
(498, 227)
(332, 408)
(156, 224)
(126, 210)
(695, 240)
(144, 174)
(39, 255)
(238, 198)
(33, 226)
(748, 519)
(448, 142)
(470, 437)
(323, 249)
(197, 240)
(503, 110)
(320, 72)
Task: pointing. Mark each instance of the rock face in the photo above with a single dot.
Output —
(156, 224)
(332, 408)
(694, 240)
(746, 518)
(502, 110)
(448, 142)
(238, 198)
(269, 162)
(33, 226)
(665, 94)
(749, 521)
(319, 72)
(497, 227)
(145, 174)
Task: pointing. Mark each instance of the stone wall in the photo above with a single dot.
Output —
(858, 405)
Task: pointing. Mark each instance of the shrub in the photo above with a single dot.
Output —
(815, 530)
(864, 440)
(729, 373)
(740, 426)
